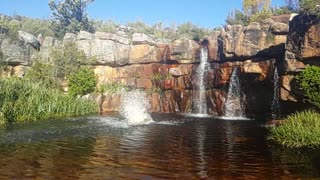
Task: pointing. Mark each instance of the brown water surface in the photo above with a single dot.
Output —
(174, 147)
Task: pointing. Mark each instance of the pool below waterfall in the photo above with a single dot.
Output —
(171, 147)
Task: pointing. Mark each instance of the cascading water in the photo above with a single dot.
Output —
(134, 107)
(275, 106)
(233, 103)
(200, 101)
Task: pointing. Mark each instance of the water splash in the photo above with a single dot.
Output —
(233, 104)
(134, 107)
(275, 106)
(200, 101)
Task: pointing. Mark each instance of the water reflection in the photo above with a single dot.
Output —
(182, 147)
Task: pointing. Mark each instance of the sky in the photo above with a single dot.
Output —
(204, 13)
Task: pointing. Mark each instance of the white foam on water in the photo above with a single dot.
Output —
(135, 108)
(234, 118)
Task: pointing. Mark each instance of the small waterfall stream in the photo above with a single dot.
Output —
(200, 101)
(233, 104)
(275, 106)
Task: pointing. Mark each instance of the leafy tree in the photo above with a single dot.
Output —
(256, 10)
(310, 7)
(82, 82)
(309, 81)
(70, 16)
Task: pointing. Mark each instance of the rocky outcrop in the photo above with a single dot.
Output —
(166, 69)
(29, 39)
(303, 45)
(15, 53)
(302, 48)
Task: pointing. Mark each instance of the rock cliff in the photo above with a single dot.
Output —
(166, 69)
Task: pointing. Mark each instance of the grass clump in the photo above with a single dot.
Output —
(301, 129)
(112, 88)
(24, 101)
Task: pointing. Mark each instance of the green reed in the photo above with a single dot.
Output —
(301, 129)
(25, 101)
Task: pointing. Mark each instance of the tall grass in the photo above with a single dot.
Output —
(301, 129)
(24, 101)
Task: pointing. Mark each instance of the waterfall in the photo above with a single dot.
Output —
(200, 101)
(233, 104)
(275, 106)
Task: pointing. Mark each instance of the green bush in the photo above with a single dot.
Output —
(82, 82)
(24, 101)
(298, 130)
(9, 27)
(43, 73)
(310, 7)
(67, 60)
(309, 81)
(105, 26)
(36, 26)
(237, 17)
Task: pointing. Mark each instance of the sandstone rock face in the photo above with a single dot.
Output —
(139, 38)
(144, 53)
(303, 43)
(213, 45)
(15, 53)
(183, 50)
(112, 37)
(48, 44)
(69, 37)
(83, 35)
(166, 69)
(29, 39)
(105, 48)
(265, 40)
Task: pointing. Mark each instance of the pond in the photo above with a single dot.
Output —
(172, 147)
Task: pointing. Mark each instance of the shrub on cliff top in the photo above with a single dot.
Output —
(309, 81)
(9, 27)
(299, 130)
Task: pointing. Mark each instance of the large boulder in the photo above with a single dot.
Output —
(140, 38)
(184, 50)
(104, 48)
(15, 52)
(112, 37)
(213, 45)
(303, 45)
(29, 39)
(107, 52)
(144, 53)
(48, 44)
